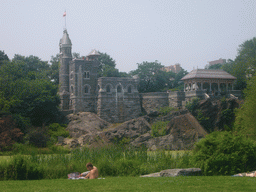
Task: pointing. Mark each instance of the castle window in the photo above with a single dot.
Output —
(119, 89)
(129, 89)
(108, 88)
(86, 90)
(87, 75)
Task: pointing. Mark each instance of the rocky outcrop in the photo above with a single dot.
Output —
(129, 129)
(219, 112)
(85, 123)
(183, 130)
(176, 172)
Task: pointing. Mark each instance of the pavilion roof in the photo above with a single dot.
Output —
(208, 74)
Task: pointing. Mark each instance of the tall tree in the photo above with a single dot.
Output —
(152, 77)
(3, 57)
(28, 91)
(244, 65)
(246, 115)
(54, 68)
(107, 66)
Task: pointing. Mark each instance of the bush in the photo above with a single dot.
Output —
(165, 110)
(223, 153)
(192, 106)
(159, 128)
(21, 168)
(38, 137)
(9, 133)
(55, 130)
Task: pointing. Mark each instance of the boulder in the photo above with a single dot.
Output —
(84, 123)
(182, 132)
(176, 172)
(181, 172)
(130, 129)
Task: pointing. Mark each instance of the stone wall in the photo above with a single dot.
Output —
(118, 99)
(175, 98)
(153, 101)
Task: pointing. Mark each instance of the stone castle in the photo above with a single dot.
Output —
(114, 99)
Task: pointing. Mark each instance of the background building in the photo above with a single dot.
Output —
(174, 68)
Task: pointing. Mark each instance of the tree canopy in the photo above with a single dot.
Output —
(3, 57)
(27, 90)
(107, 67)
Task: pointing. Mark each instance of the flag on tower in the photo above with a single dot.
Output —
(64, 14)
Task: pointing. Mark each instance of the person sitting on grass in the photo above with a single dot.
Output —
(93, 172)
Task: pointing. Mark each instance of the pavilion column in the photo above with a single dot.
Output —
(232, 86)
(218, 86)
(226, 86)
(202, 85)
(184, 87)
(210, 86)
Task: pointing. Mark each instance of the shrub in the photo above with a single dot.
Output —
(192, 106)
(21, 168)
(204, 121)
(223, 153)
(165, 110)
(55, 130)
(159, 128)
(38, 137)
(9, 134)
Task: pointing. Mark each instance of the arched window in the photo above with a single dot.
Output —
(129, 89)
(108, 88)
(72, 89)
(86, 90)
(119, 89)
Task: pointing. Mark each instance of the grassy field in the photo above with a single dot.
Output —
(196, 183)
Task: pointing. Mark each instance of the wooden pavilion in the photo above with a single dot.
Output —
(211, 81)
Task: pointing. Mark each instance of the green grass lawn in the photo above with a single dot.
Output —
(195, 183)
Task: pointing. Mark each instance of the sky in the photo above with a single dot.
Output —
(188, 32)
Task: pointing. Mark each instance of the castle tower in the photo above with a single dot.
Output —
(83, 82)
(65, 58)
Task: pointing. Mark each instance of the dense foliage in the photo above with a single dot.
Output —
(224, 153)
(152, 77)
(246, 116)
(159, 128)
(110, 160)
(9, 133)
(27, 90)
(107, 67)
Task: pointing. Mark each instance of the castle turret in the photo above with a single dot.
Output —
(65, 58)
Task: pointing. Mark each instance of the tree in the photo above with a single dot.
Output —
(33, 63)
(54, 68)
(177, 80)
(107, 66)
(152, 77)
(3, 57)
(246, 115)
(244, 65)
(9, 133)
(76, 55)
(28, 91)
(216, 66)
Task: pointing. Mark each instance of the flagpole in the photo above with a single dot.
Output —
(64, 15)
